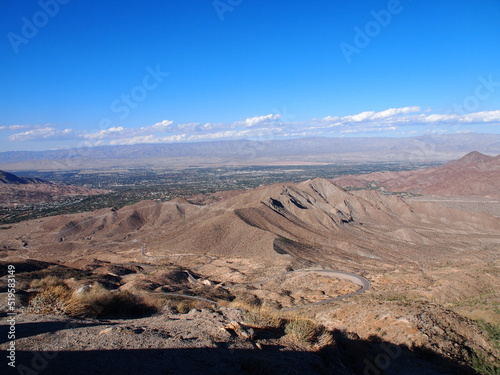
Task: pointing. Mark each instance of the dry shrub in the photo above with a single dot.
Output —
(302, 329)
(99, 301)
(260, 317)
(175, 276)
(53, 271)
(217, 294)
(324, 339)
(47, 282)
(56, 297)
(184, 306)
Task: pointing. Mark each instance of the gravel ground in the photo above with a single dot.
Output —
(192, 343)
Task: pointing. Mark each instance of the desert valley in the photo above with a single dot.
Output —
(359, 274)
(250, 187)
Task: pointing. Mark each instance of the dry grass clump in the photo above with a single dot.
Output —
(264, 319)
(47, 282)
(99, 301)
(260, 317)
(55, 297)
(483, 365)
(302, 330)
(248, 299)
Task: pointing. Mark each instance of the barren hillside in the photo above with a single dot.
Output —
(304, 269)
(474, 174)
(311, 221)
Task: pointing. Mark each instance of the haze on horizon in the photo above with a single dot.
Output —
(86, 73)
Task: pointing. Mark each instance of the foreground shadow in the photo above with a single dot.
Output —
(345, 356)
(24, 330)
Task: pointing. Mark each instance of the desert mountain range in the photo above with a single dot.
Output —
(262, 152)
(474, 174)
(314, 221)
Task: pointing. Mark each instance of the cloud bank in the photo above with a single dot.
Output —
(393, 121)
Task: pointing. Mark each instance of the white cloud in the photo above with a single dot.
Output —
(330, 119)
(192, 127)
(16, 127)
(160, 127)
(371, 116)
(164, 126)
(133, 140)
(391, 112)
(478, 117)
(105, 134)
(257, 121)
(42, 133)
(402, 120)
(360, 117)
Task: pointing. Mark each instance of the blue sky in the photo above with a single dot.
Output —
(91, 73)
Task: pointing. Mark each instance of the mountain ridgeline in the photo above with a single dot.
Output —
(264, 152)
(474, 174)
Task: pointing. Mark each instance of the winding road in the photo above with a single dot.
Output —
(344, 275)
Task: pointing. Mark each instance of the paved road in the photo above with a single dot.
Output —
(352, 277)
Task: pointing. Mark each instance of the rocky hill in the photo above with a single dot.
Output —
(474, 174)
(11, 179)
(311, 220)
(287, 278)
(16, 190)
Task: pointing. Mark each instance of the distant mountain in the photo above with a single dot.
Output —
(267, 152)
(26, 190)
(475, 174)
(9, 178)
